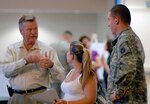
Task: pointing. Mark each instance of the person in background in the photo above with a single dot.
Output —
(94, 38)
(80, 85)
(61, 48)
(126, 81)
(106, 62)
(29, 63)
(96, 63)
(67, 36)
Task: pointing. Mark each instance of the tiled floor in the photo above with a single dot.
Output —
(148, 87)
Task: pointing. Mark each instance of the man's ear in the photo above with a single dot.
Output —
(117, 20)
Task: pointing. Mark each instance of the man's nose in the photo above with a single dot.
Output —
(34, 32)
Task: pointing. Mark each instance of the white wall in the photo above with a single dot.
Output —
(102, 27)
(140, 24)
(102, 24)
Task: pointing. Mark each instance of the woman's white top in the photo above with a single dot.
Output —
(72, 89)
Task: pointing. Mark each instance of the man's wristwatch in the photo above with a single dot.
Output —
(25, 61)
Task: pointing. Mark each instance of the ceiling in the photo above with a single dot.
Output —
(76, 6)
(67, 6)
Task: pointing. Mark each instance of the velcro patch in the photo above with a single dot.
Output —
(123, 49)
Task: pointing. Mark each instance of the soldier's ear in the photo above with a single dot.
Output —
(117, 20)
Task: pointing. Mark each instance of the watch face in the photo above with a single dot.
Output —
(25, 62)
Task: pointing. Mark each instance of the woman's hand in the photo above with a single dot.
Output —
(60, 101)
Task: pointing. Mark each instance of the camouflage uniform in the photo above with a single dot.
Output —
(127, 77)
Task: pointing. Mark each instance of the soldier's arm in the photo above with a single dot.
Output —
(126, 69)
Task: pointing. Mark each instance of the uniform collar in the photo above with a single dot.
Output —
(125, 29)
(116, 39)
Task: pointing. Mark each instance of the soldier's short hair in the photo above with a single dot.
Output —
(123, 12)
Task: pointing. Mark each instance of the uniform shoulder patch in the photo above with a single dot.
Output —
(123, 49)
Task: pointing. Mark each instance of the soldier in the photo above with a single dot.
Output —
(126, 82)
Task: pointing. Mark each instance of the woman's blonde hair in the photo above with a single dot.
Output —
(83, 56)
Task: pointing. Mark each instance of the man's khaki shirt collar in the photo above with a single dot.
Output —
(35, 46)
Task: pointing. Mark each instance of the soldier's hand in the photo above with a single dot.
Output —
(113, 96)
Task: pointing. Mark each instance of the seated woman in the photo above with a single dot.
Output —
(80, 85)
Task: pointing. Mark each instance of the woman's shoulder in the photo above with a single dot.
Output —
(92, 78)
